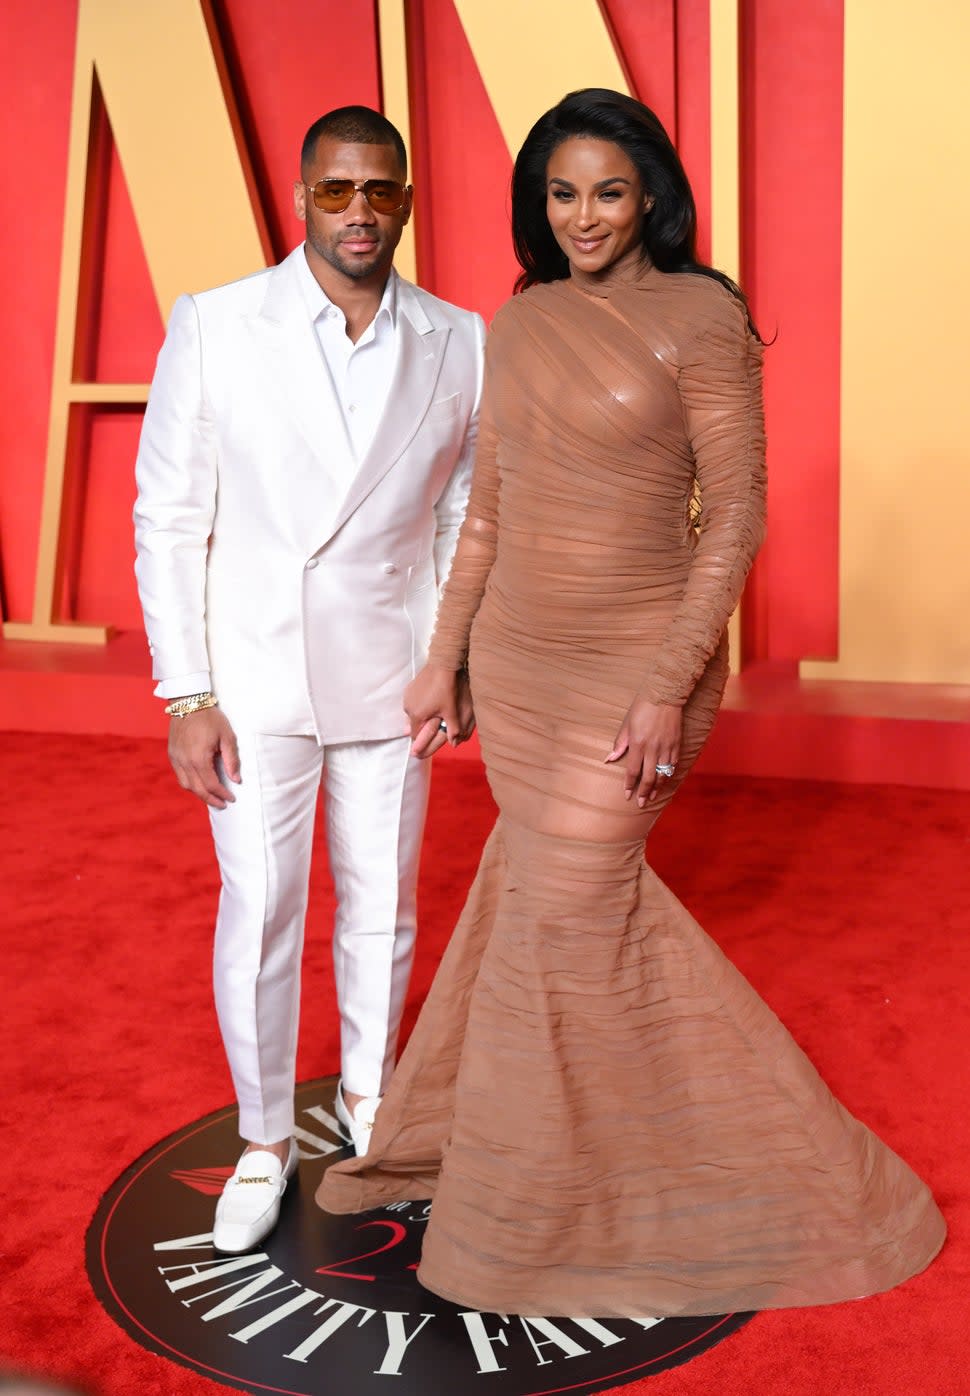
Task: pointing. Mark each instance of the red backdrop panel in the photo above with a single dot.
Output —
(461, 166)
(792, 218)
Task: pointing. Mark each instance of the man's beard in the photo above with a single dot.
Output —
(356, 268)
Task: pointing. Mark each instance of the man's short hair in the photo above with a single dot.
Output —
(356, 126)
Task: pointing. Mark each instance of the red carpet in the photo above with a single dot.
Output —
(846, 907)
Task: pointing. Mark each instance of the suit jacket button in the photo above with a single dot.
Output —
(314, 562)
(389, 568)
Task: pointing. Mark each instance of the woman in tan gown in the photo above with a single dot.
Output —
(609, 1119)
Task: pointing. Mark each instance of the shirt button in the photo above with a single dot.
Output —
(314, 562)
(351, 407)
(389, 568)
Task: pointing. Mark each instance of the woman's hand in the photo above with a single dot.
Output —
(434, 697)
(650, 737)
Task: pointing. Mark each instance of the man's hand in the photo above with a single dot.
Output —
(195, 743)
(650, 737)
(438, 696)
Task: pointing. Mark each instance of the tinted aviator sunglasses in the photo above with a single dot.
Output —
(334, 195)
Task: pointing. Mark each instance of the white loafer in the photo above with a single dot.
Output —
(249, 1207)
(359, 1122)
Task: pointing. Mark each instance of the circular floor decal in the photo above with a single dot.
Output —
(330, 1305)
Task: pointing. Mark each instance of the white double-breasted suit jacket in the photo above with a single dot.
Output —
(302, 582)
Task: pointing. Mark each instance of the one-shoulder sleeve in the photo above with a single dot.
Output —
(719, 380)
(475, 552)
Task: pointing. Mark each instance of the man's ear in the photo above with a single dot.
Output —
(408, 205)
(299, 199)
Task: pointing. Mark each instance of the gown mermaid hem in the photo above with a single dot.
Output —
(849, 1284)
(612, 1123)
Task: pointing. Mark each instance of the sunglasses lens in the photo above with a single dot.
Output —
(333, 195)
(384, 195)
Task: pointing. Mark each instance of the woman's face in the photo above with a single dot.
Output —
(595, 203)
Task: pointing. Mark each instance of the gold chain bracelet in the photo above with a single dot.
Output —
(194, 703)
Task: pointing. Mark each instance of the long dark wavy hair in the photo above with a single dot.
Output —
(669, 229)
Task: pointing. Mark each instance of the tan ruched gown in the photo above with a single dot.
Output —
(609, 1119)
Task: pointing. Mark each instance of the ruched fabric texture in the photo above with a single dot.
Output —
(608, 1117)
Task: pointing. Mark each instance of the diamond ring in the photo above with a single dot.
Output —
(665, 770)
(443, 727)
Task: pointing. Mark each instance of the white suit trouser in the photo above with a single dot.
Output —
(376, 799)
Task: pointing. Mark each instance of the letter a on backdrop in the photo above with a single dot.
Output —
(155, 69)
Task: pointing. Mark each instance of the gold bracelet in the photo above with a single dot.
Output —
(194, 703)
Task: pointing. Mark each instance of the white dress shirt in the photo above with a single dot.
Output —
(361, 374)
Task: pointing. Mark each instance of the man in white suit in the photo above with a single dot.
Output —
(302, 474)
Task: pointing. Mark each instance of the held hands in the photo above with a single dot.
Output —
(194, 744)
(434, 697)
(650, 737)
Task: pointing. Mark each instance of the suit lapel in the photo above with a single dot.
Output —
(420, 355)
(296, 368)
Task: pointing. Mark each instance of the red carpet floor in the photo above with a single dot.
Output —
(847, 907)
